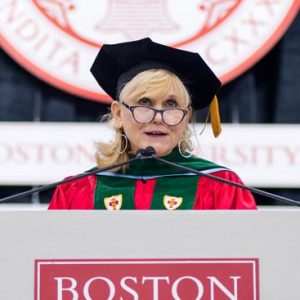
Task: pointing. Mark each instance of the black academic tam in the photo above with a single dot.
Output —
(117, 64)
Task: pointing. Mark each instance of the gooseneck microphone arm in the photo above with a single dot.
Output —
(150, 151)
(139, 155)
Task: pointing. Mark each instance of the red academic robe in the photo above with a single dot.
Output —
(210, 194)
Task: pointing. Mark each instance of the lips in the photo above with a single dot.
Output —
(155, 133)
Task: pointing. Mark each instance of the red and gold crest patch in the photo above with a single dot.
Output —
(113, 202)
(171, 202)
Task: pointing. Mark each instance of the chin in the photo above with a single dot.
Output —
(162, 152)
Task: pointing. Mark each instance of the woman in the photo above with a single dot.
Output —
(156, 89)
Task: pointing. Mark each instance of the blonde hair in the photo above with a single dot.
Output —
(154, 83)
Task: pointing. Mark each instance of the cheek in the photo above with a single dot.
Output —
(127, 121)
(132, 130)
(178, 133)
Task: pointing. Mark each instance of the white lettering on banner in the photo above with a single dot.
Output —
(61, 289)
(215, 282)
(109, 283)
(128, 289)
(194, 279)
(155, 284)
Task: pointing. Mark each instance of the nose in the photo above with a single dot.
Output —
(158, 118)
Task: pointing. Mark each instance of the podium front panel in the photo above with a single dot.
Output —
(270, 237)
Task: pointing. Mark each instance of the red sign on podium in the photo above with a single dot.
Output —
(156, 279)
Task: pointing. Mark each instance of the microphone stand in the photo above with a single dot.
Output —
(140, 155)
(253, 190)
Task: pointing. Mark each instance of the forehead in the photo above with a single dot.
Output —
(159, 86)
(161, 96)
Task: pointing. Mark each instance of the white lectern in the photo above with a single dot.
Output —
(148, 254)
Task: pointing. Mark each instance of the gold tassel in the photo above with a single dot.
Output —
(215, 119)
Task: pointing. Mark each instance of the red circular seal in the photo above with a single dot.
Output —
(57, 40)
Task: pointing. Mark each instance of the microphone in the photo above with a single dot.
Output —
(148, 152)
(238, 185)
(140, 154)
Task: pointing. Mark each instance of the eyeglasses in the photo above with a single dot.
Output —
(146, 114)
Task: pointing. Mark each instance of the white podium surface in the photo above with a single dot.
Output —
(273, 237)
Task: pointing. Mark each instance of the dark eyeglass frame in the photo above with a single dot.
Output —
(156, 111)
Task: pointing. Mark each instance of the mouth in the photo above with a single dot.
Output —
(155, 133)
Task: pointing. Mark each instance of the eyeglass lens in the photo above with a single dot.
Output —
(147, 114)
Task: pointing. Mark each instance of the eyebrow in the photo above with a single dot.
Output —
(171, 96)
(164, 100)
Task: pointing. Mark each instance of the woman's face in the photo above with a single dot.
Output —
(162, 137)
